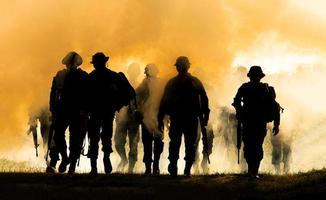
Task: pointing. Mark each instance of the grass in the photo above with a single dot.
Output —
(311, 185)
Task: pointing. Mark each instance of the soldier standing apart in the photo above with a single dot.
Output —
(107, 97)
(184, 100)
(149, 94)
(68, 105)
(251, 105)
(127, 125)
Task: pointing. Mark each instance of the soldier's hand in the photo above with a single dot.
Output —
(276, 129)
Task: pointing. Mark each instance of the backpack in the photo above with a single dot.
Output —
(272, 107)
(126, 92)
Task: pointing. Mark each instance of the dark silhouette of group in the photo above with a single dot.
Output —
(88, 104)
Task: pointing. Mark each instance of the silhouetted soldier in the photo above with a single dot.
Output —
(127, 125)
(281, 153)
(107, 97)
(44, 116)
(184, 100)
(149, 94)
(32, 122)
(251, 104)
(68, 105)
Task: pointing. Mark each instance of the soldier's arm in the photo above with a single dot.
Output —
(237, 101)
(204, 102)
(163, 106)
(142, 93)
(53, 95)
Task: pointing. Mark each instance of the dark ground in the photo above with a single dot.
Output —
(25, 186)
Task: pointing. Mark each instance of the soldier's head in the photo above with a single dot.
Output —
(182, 64)
(72, 60)
(151, 70)
(99, 60)
(133, 70)
(255, 73)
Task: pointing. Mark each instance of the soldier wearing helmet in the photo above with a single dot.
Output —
(149, 94)
(250, 105)
(184, 100)
(128, 126)
(68, 105)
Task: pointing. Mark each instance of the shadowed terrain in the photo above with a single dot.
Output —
(310, 185)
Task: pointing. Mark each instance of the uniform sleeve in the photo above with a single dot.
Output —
(204, 99)
(53, 96)
(142, 93)
(164, 102)
(238, 99)
(277, 117)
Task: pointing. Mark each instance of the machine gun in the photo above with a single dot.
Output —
(203, 118)
(33, 129)
(204, 138)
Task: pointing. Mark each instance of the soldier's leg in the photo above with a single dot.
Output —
(76, 137)
(106, 138)
(191, 136)
(60, 142)
(133, 135)
(147, 139)
(276, 153)
(158, 149)
(120, 137)
(45, 128)
(286, 157)
(175, 134)
(253, 138)
(94, 138)
(197, 154)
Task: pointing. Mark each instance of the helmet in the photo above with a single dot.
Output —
(182, 63)
(182, 60)
(99, 57)
(72, 59)
(255, 71)
(151, 70)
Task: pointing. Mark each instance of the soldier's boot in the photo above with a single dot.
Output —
(148, 170)
(131, 167)
(72, 167)
(253, 170)
(187, 169)
(277, 168)
(51, 168)
(286, 168)
(107, 164)
(204, 165)
(256, 169)
(93, 171)
(173, 169)
(64, 163)
(122, 164)
(156, 167)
